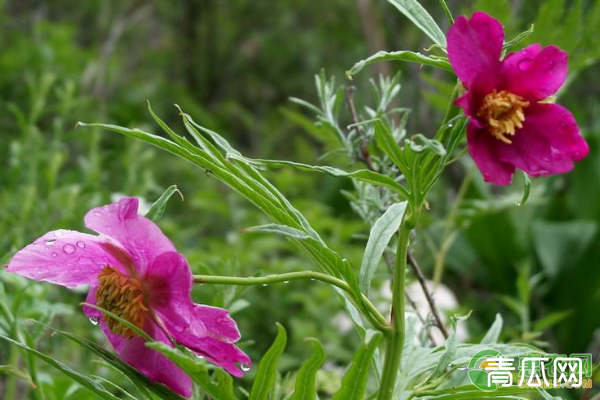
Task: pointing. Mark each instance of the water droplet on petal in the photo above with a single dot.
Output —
(50, 242)
(54, 254)
(94, 321)
(525, 64)
(98, 214)
(245, 367)
(58, 233)
(69, 249)
(81, 245)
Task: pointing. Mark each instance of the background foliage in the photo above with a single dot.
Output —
(233, 66)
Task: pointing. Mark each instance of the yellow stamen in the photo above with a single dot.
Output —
(124, 297)
(503, 113)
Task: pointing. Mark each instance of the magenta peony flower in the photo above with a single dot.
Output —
(136, 273)
(510, 124)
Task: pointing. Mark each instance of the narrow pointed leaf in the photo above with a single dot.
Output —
(402, 55)
(267, 368)
(158, 207)
(381, 233)
(421, 18)
(354, 383)
(305, 380)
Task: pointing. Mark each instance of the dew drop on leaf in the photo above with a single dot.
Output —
(94, 321)
(245, 367)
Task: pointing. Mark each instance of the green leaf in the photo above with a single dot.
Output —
(517, 40)
(220, 388)
(354, 383)
(267, 369)
(19, 373)
(381, 233)
(83, 380)
(305, 380)
(526, 189)
(278, 229)
(492, 335)
(419, 143)
(550, 320)
(386, 142)
(421, 18)
(158, 207)
(408, 56)
(363, 175)
(123, 321)
(142, 382)
(561, 244)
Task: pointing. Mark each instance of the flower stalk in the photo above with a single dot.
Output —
(395, 337)
(364, 304)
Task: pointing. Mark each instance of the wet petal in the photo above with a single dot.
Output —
(226, 355)
(151, 363)
(142, 238)
(63, 257)
(535, 73)
(217, 322)
(548, 143)
(474, 47)
(169, 284)
(483, 148)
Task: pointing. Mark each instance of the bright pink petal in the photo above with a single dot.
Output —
(63, 257)
(153, 364)
(211, 334)
(474, 47)
(548, 143)
(169, 284)
(226, 355)
(484, 150)
(535, 73)
(217, 322)
(141, 237)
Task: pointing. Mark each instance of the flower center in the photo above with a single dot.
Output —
(124, 297)
(503, 113)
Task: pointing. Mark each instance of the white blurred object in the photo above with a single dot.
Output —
(444, 300)
(342, 322)
(143, 208)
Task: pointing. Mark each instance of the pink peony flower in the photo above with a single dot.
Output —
(510, 126)
(136, 273)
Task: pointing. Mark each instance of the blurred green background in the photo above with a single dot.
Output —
(233, 65)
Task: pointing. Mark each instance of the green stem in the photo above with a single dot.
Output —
(395, 338)
(364, 304)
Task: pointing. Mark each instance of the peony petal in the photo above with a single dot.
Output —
(217, 322)
(169, 284)
(547, 144)
(63, 257)
(226, 355)
(153, 364)
(484, 150)
(535, 73)
(474, 47)
(141, 237)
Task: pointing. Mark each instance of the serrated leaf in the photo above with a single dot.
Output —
(305, 380)
(279, 230)
(267, 368)
(354, 383)
(421, 18)
(381, 233)
(158, 207)
(407, 56)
